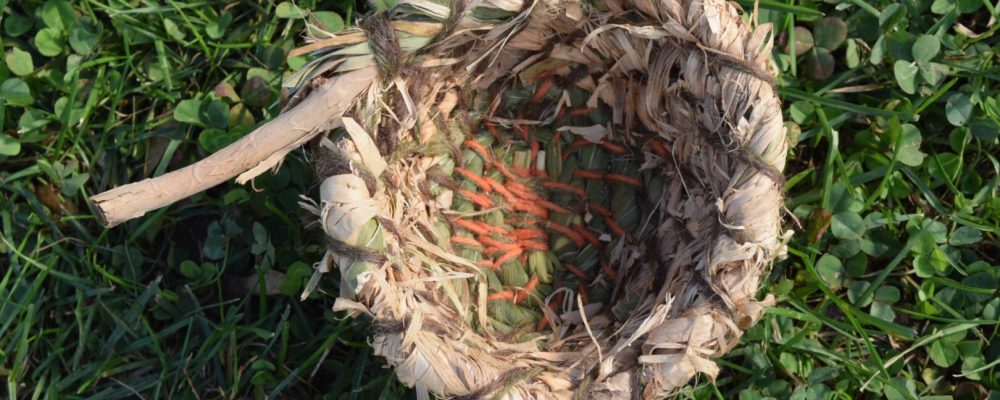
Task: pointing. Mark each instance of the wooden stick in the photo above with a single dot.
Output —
(256, 152)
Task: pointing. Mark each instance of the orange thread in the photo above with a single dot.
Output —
(488, 241)
(522, 191)
(535, 147)
(600, 210)
(530, 208)
(542, 90)
(504, 295)
(615, 228)
(521, 128)
(491, 228)
(467, 241)
(503, 170)
(581, 111)
(477, 179)
(492, 128)
(581, 142)
(583, 294)
(628, 180)
(509, 256)
(566, 154)
(478, 148)
(523, 220)
(607, 270)
(565, 231)
(548, 205)
(556, 185)
(612, 224)
(658, 148)
(538, 76)
(507, 195)
(528, 287)
(527, 234)
(614, 147)
(589, 236)
(576, 271)
(544, 321)
(582, 173)
(470, 226)
(533, 245)
(525, 172)
(494, 251)
(477, 198)
(610, 146)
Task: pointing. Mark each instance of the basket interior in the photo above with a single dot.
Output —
(556, 205)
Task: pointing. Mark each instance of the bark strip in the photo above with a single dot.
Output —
(258, 151)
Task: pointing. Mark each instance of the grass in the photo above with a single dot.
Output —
(889, 288)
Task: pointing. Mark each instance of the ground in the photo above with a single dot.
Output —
(889, 288)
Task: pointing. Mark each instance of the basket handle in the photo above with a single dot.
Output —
(248, 157)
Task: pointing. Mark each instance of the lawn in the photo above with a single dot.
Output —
(890, 287)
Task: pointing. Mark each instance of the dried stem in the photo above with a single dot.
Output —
(258, 151)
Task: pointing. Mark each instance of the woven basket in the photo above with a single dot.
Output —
(691, 74)
(690, 95)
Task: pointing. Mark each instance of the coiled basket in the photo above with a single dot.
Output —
(688, 96)
(536, 198)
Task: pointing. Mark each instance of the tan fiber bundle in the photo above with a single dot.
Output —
(534, 199)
